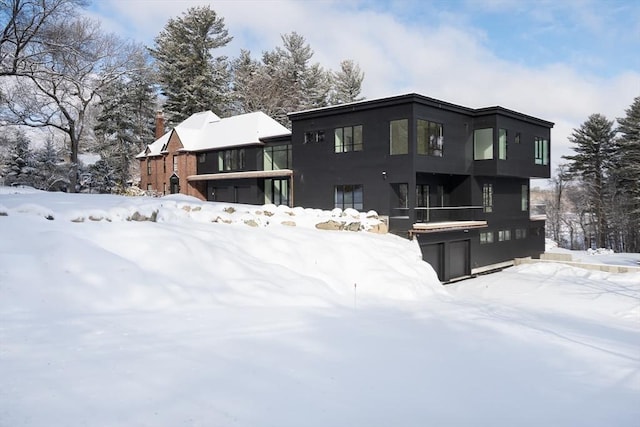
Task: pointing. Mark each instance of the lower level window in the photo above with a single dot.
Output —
(486, 237)
(521, 233)
(504, 235)
(349, 196)
(276, 191)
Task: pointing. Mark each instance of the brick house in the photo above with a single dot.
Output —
(187, 159)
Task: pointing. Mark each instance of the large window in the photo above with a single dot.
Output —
(502, 144)
(399, 136)
(430, 138)
(349, 196)
(524, 198)
(541, 147)
(487, 197)
(277, 157)
(231, 160)
(483, 144)
(422, 203)
(348, 139)
(276, 191)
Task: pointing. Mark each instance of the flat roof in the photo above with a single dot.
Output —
(241, 175)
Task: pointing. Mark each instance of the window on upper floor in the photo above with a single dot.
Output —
(148, 166)
(541, 151)
(314, 136)
(231, 160)
(517, 138)
(277, 157)
(502, 144)
(483, 144)
(430, 138)
(348, 138)
(524, 197)
(175, 163)
(487, 197)
(202, 157)
(399, 136)
(349, 196)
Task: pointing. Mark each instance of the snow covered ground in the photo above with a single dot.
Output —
(210, 316)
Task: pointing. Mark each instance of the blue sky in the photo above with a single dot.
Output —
(560, 60)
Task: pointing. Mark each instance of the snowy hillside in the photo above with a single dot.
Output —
(215, 314)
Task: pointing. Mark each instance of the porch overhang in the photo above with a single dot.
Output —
(436, 227)
(280, 173)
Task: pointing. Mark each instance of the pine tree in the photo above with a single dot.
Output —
(594, 146)
(125, 124)
(190, 77)
(18, 169)
(50, 172)
(627, 173)
(347, 83)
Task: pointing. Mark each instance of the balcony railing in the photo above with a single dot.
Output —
(440, 213)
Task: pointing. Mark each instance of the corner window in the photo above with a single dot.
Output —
(349, 196)
(399, 136)
(524, 198)
(430, 138)
(483, 144)
(348, 139)
(277, 157)
(486, 237)
(502, 144)
(541, 148)
(487, 197)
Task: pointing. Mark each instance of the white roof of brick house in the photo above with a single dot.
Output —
(206, 131)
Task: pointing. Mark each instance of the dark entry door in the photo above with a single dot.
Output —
(434, 255)
(459, 264)
(174, 183)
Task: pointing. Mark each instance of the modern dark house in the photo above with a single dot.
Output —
(454, 178)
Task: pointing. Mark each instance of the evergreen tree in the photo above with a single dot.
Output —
(19, 168)
(594, 146)
(125, 124)
(347, 83)
(50, 171)
(627, 172)
(190, 77)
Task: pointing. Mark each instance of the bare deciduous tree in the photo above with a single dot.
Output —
(75, 63)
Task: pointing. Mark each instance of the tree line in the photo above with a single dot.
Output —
(594, 200)
(99, 93)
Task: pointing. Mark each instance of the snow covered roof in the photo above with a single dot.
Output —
(206, 131)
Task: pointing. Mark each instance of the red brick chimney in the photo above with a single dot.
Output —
(159, 124)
